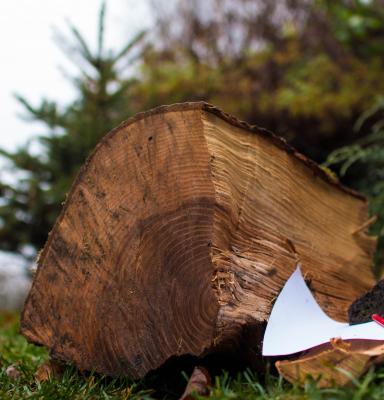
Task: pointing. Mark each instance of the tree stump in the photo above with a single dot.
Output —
(177, 235)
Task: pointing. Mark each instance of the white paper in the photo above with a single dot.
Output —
(297, 322)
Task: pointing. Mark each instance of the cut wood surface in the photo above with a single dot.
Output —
(178, 234)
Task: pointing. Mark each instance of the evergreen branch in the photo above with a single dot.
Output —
(101, 30)
(135, 41)
(73, 54)
(83, 47)
(378, 105)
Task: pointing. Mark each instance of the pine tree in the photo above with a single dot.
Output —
(364, 159)
(29, 206)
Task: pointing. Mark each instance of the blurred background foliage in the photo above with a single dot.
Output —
(309, 70)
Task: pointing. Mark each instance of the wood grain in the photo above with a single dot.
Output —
(177, 235)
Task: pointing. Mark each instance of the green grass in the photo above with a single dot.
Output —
(14, 350)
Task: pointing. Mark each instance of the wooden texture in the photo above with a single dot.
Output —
(178, 234)
(333, 364)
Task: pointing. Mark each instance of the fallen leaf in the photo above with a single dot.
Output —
(335, 362)
(12, 372)
(49, 369)
(198, 383)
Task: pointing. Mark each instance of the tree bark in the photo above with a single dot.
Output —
(178, 234)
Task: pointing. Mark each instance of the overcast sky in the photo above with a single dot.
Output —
(30, 59)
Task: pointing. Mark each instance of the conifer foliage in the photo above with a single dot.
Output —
(31, 203)
(365, 157)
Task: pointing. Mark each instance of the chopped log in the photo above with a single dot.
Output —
(336, 363)
(177, 235)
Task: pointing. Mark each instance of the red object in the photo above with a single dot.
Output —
(378, 319)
